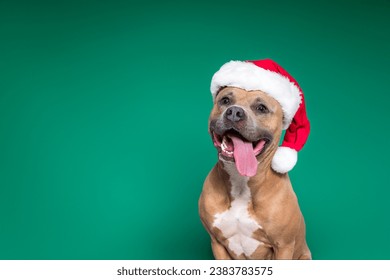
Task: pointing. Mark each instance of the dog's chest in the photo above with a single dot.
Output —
(236, 223)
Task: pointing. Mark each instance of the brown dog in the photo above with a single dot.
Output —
(250, 217)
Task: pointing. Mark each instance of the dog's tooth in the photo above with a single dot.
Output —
(224, 140)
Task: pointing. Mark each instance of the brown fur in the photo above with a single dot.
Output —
(273, 202)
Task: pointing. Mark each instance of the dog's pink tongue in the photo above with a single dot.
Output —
(244, 157)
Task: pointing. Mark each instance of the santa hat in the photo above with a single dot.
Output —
(267, 76)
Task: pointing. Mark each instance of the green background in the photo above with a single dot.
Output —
(103, 122)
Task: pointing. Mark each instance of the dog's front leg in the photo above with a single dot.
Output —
(219, 251)
(284, 252)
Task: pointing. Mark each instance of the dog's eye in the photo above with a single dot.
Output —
(262, 108)
(224, 101)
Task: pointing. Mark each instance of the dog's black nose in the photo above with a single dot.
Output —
(235, 114)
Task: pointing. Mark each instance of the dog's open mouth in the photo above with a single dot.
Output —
(233, 146)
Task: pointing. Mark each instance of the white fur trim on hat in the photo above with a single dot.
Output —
(284, 159)
(249, 76)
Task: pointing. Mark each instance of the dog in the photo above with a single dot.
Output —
(249, 210)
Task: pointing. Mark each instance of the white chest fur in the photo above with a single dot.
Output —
(236, 224)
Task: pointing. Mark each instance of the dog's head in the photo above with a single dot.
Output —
(245, 127)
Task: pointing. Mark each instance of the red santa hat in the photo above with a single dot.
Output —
(269, 77)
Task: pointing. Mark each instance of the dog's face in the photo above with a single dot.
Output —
(245, 126)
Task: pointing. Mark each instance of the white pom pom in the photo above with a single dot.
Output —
(284, 159)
